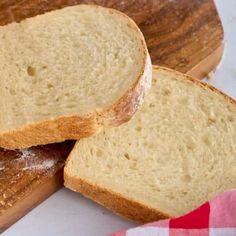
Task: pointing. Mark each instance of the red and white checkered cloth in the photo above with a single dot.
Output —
(214, 218)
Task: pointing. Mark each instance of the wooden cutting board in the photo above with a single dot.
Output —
(182, 34)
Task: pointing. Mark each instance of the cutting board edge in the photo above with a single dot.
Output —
(208, 64)
(39, 194)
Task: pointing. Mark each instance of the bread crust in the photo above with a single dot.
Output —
(117, 202)
(85, 125)
(198, 82)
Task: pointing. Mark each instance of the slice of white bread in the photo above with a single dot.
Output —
(178, 151)
(69, 72)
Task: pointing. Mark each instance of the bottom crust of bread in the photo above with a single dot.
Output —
(114, 201)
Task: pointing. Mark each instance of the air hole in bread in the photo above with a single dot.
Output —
(99, 153)
(206, 140)
(187, 178)
(181, 150)
(170, 197)
(31, 71)
(166, 92)
(76, 44)
(190, 146)
(146, 144)
(12, 91)
(71, 106)
(230, 118)
(222, 120)
(109, 166)
(50, 86)
(91, 152)
(126, 155)
(229, 108)
(211, 121)
(154, 80)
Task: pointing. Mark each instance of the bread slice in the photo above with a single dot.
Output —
(69, 72)
(178, 151)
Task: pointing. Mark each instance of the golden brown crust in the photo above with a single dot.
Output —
(114, 201)
(55, 130)
(77, 127)
(125, 107)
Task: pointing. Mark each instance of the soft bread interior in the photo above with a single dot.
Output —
(178, 151)
(67, 62)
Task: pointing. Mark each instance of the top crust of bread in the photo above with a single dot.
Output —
(77, 126)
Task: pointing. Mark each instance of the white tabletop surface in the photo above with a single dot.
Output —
(68, 213)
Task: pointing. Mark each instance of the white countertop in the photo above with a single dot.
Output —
(70, 214)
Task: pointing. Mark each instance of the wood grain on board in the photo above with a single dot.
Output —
(181, 34)
(29, 176)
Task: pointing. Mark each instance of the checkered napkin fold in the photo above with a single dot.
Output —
(214, 218)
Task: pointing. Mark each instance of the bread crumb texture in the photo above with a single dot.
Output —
(177, 152)
(67, 62)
